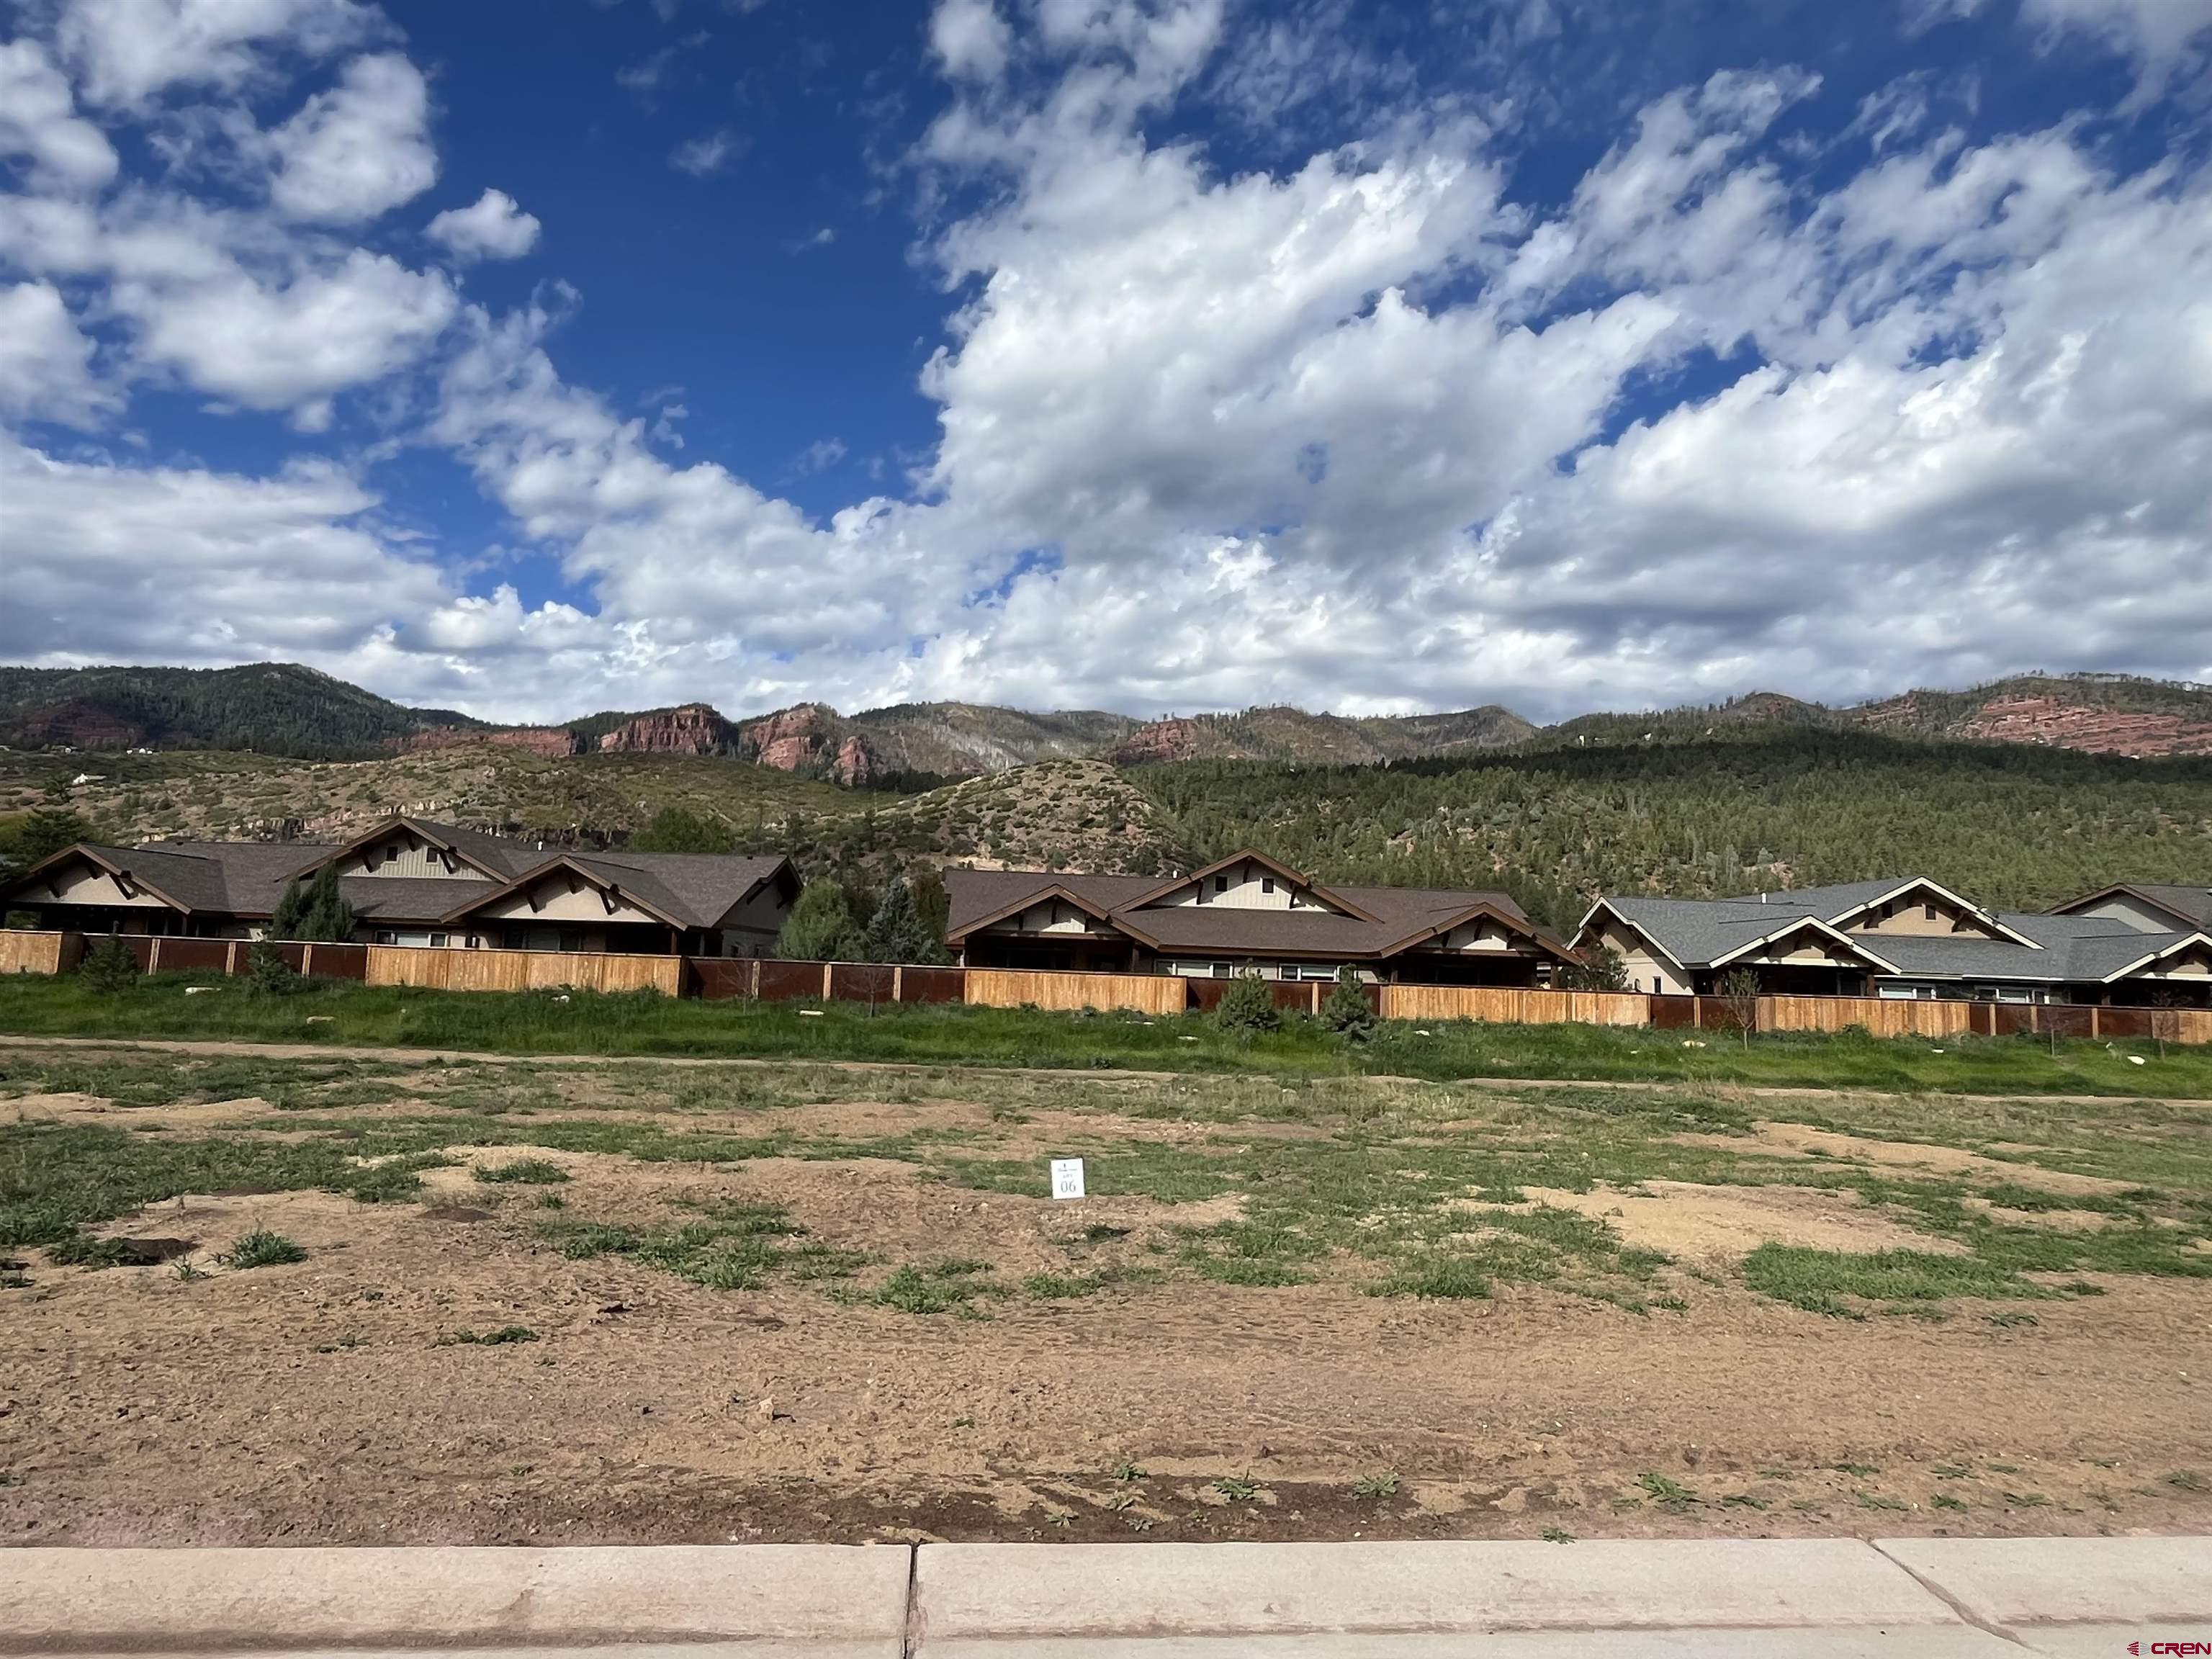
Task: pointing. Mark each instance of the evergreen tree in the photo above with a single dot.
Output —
(1605, 971)
(267, 973)
(1247, 1004)
(291, 911)
(820, 927)
(109, 967)
(896, 932)
(39, 834)
(1345, 1010)
(935, 904)
(328, 916)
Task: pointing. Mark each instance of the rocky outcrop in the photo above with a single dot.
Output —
(2059, 725)
(1162, 740)
(547, 742)
(792, 740)
(854, 764)
(694, 729)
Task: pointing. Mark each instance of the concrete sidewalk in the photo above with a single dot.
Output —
(1822, 1598)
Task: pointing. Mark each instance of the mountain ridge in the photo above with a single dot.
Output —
(287, 709)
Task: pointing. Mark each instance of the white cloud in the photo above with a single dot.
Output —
(970, 40)
(708, 154)
(126, 50)
(288, 341)
(359, 150)
(2164, 37)
(491, 227)
(44, 361)
(39, 121)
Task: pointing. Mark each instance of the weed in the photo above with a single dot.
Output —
(2188, 1480)
(1125, 1472)
(525, 1171)
(549, 1201)
(1237, 1489)
(1863, 1471)
(1944, 1500)
(187, 1270)
(261, 1248)
(1875, 1500)
(1383, 1483)
(2011, 1318)
(2025, 1500)
(1556, 1535)
(1951, 1471)
(933, 1287)
(1666, 1492)
(1440, 1277)
(1742, 1500)
(500, 1338)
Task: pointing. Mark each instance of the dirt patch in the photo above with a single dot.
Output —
(93, 1108)
(1694, 1222)
(2064, 1221)
(1802, 1140)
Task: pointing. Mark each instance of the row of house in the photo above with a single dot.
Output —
(416, 882)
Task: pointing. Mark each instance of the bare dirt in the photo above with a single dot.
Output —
(329, 1400)
(1693, 1222)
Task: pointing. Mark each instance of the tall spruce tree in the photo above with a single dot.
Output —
(328, 916)
(898, 932)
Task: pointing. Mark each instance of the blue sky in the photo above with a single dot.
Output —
(1155, 354)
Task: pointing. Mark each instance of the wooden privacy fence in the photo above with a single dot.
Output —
(1145, 994)
(38, 953)
(1503, 1005)
(521, 970)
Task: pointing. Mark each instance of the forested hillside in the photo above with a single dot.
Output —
(279, 708)
(2017, 827)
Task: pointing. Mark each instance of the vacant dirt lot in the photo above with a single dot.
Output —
(804, 1302)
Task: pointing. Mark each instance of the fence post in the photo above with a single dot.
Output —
(2094, 1031)
(752, 981)
(153, 954)
(898, 982)
(828, 968)
(307, 960)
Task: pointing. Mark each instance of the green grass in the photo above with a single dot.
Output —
(526, 1172)
(582, 1023)
(1832, 1281)
(262, 1248)
(931, 1287)
(736, 1247)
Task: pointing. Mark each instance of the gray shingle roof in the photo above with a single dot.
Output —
(2067, 949)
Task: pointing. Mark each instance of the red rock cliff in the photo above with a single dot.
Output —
(694, 729)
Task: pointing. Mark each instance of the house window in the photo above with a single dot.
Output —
(476, 941)
(1308, 970)
(1900, 991)
(438, 941)
(572, 939)
(1266, 883)
(1221, 884)
(1220, 971)
(392, 854)
(386, 936)
(1928, 912)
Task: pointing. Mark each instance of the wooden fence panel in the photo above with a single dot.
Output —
(1673, 1013)
(2189, 1024)
(1150, 994)
(933, 984)
(22, 953)
(790, 981)
(723, 979)
(1879, 1016)
(520, 970)
(329, 961)
(190, 955)
(2126, 1023)
(861, 982)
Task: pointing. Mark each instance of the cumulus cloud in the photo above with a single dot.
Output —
(44, 361)
(127, 51)
(491, 227)
(2166, 38)
(39, 122)
(359, 150)
(970, 40)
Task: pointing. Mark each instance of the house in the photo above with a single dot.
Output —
(1906, 937)
(2148, 907)
(1246, 911)
(413, 882)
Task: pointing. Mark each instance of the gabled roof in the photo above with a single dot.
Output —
(1853, 942)
(2190, 906)
(488, 854)
(1920, 884)
(681, 889)
(1025, 899)
(1252, 855)
(1369, 923)
(2167, 944)
(156, 873)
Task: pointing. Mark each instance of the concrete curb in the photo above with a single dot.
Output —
(2066, 1596)
(796, 1598)
(1421, 1598)
(1728, 1599)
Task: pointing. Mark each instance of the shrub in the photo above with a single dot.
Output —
(1605, 971)
(1344, 1009)
(267, 973)
(522, 1172)
(109, 967)
(1247, 1004)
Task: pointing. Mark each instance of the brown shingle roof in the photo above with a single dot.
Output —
(1400, 913)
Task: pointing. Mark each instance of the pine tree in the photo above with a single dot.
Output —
(1247, 1004)
(267, 973)
(897, 932)
(328, 917)
(291, 910)
(109, 967)
(1346, 1011)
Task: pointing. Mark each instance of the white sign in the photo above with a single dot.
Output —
(1068, 1177)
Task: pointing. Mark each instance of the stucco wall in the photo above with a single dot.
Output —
(411, 857)
(83, 882)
